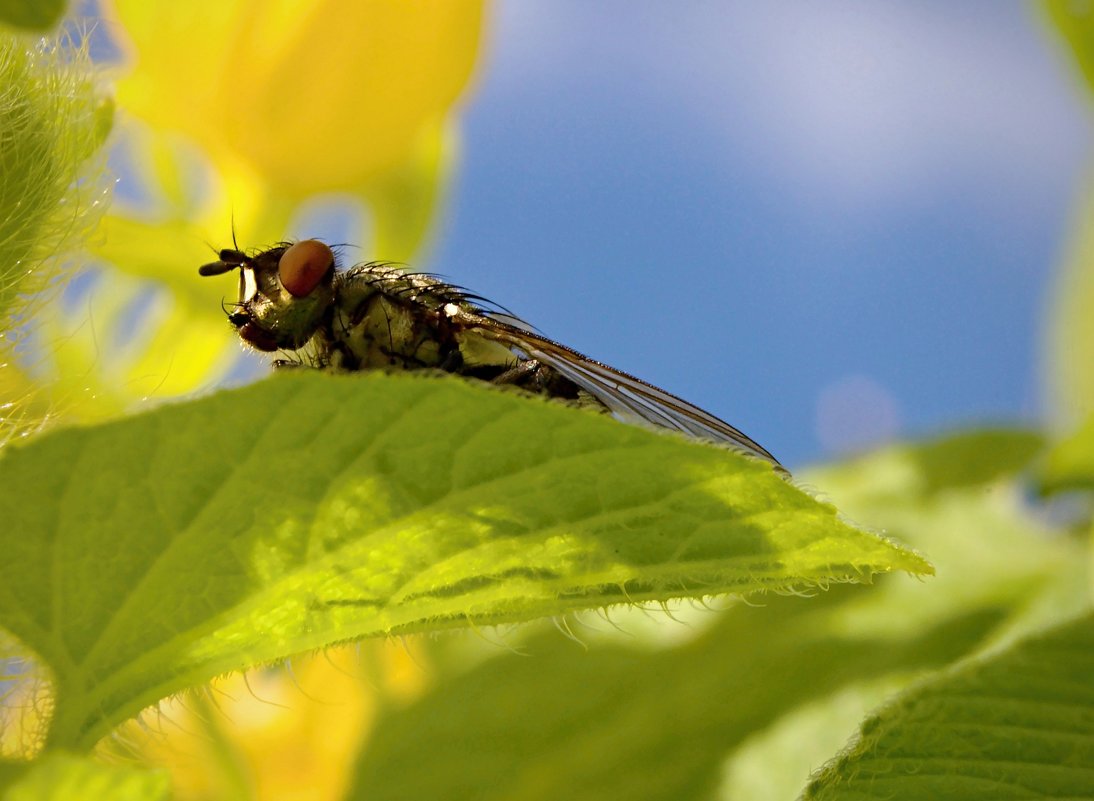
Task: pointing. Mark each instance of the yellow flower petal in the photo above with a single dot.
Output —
(277, 735)
(314, 97)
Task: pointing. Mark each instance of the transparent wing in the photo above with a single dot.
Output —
(629, 398)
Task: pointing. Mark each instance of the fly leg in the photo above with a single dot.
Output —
(452, 362)
(534, 376)
(522, 374)
(298, 364)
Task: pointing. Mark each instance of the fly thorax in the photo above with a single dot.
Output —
(380, 330)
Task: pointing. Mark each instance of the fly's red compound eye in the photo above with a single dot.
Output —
(303, 266)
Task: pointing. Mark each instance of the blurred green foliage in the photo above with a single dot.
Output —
(52, 121)
(32, 15)
(1070, 360)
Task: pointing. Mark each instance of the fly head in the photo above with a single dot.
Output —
(284, 292)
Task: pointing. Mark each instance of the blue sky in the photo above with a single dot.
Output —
(831, 224)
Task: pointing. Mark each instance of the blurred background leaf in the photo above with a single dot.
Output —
(64, 777)
(996, 727)
(53, 120)
(558, 721)
(1070, 362)
(32, 15)
(1070, 462)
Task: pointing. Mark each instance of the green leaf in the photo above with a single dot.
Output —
(992, 549)
(973, 458)
(1070, 463)
(61, 776)
(32, 15)
(1070, 357)
(152, 553)
(1071, 321)
(1017, 724)
(1075, 25)
(556, 721)
(989, 544)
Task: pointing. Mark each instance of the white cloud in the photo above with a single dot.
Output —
(841, 102)
(876, 100)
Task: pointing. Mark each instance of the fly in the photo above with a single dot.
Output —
(292, 298)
